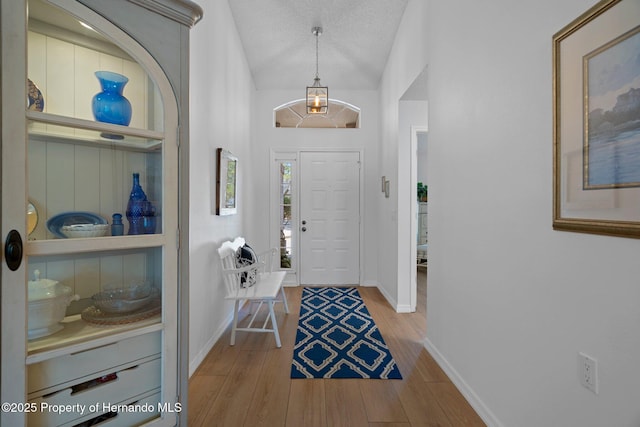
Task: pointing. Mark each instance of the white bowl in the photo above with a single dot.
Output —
(45, 315)
(47, 303)
(85, 230)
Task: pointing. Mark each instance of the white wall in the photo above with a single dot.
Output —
(221, 90)
(407, 60)
(510, 301)
(266, 137)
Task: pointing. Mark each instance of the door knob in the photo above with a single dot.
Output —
(304, 222)
(13, 250)
(304, 229)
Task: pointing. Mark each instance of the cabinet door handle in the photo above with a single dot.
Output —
(13, 250)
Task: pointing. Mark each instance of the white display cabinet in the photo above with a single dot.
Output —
(60, 166)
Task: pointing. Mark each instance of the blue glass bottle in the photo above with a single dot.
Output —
(149, 219)
(137, 207)
(117, 227)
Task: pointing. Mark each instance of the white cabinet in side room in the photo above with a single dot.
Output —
(422, 223)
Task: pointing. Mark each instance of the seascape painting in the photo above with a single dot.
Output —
(612, 134)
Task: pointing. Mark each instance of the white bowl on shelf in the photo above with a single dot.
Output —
(85, 230)
(47, 303)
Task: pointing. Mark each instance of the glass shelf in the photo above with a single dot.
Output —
(93, 244)
(88, 132)
(78, 335)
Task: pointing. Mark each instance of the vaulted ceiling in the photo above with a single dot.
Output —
(353, 49)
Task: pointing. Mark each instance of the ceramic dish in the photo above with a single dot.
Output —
(47, 303)
(35, 100)
(85, 230)
(32, 217)
(124, 300)
(55, 223)
(98, 317)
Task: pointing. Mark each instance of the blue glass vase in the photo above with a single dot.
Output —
(138, 207)
(110, 106)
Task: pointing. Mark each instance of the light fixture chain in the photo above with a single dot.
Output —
(317, 36)
(317, 95)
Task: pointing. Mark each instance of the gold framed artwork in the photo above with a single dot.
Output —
(596, 115)
(226, 183)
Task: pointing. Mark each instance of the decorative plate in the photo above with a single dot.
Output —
(35, 101)
(55, 223)
(32, 217)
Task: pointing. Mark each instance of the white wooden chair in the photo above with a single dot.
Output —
(266, 289)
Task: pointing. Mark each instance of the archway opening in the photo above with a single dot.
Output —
(294, 115)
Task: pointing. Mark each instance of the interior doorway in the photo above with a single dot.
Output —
(412, 123)
(419, 210)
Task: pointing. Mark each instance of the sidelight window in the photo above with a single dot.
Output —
(285, 216)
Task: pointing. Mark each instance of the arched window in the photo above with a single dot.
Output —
(294, 115)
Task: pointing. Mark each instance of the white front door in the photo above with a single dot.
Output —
(329, 218)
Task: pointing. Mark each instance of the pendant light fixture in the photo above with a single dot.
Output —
(317, 95)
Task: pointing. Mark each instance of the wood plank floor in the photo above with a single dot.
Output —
(249, 385)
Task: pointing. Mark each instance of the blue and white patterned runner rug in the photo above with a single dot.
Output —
(337, 338)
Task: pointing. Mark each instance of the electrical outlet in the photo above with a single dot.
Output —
(588, 369)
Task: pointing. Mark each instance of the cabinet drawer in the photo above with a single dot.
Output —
(134, 418)
(129, 383)
(66, 368)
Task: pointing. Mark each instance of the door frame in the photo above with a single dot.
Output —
(293, 276)
(413, 227)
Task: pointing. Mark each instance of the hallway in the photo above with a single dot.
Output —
(249, 384)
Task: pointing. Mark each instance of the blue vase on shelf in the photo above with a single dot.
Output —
(110, 106)
(138, 208)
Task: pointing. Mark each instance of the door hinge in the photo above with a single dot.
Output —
(178, 135)
(178, 239)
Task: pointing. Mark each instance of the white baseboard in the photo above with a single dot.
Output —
(388, 297)
(199, 358)
(369, 283)
(474, 400)
(399, 308)
(404, 308)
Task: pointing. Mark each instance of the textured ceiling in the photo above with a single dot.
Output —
(353, 49)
